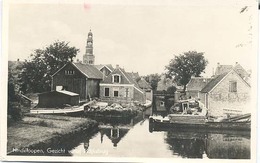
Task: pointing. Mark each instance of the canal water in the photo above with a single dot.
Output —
(132, 138)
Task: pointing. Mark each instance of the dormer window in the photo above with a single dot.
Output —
(116, 78)
(69, 72)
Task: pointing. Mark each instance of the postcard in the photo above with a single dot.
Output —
(129, 81)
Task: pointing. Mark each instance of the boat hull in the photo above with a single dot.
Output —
(157, 124)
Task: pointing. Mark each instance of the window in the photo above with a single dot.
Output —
(115, 93)
(161, 103)
(107, 92)
(116, 79)
(232, 86)
(69, 72)
(127, 92)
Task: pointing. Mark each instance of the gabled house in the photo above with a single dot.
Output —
(79, 78)
(195, 85)
(237, 67)
(227, 93)
(146, 87)
(119, 87)
(105, 69)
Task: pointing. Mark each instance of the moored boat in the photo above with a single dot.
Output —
(193, 114)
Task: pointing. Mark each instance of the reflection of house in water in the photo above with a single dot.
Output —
(115, 130)
(186, 144)
(194, 144)
(228, 146)
(115, 134)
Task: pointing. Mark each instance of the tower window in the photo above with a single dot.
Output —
(232, 86)
(116, 78)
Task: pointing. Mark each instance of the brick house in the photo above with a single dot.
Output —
(226, 93)
(79, 78)
(119, 87)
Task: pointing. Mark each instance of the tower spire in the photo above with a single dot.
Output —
(89, 57)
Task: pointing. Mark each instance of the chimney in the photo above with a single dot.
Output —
(236, 63)
(18, 60)
(117, 66)
(218, 64)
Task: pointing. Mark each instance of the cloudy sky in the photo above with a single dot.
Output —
(137, 35)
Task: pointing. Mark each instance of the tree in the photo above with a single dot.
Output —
(14, 108)
(36, 74)
(183, 66)
(153, 79)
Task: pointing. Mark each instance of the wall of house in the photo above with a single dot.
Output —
(149, 95)
(93, 88)
(139, 96)
(55, 99)
(121, 96)
(221, 101)
(193, 94)
(74, 83)
(203, 98)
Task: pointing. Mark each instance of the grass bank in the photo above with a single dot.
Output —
(41, 131)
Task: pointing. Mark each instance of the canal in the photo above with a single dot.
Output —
(132, 138)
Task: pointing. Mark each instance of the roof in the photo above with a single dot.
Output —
(134, 75)
(125, 77)
(108, 66)
(68, 93)
(62, 92)
(143, 84)
(197, 83)
(241, 71)
(214, 82)
(164, 83)
(87, 70)
(223, 69)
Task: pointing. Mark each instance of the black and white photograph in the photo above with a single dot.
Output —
(136, 80)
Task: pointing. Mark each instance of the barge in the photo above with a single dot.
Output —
(193, 114)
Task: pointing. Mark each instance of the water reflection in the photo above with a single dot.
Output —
(209, 143)
(228, 146)
(131, 138)
(185, 144)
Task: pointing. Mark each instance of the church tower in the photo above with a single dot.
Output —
(89, 58)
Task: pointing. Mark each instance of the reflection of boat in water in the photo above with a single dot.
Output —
(191, 113)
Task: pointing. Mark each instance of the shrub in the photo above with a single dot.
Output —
(15, 111)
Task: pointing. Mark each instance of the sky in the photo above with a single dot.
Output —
(138, 36)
